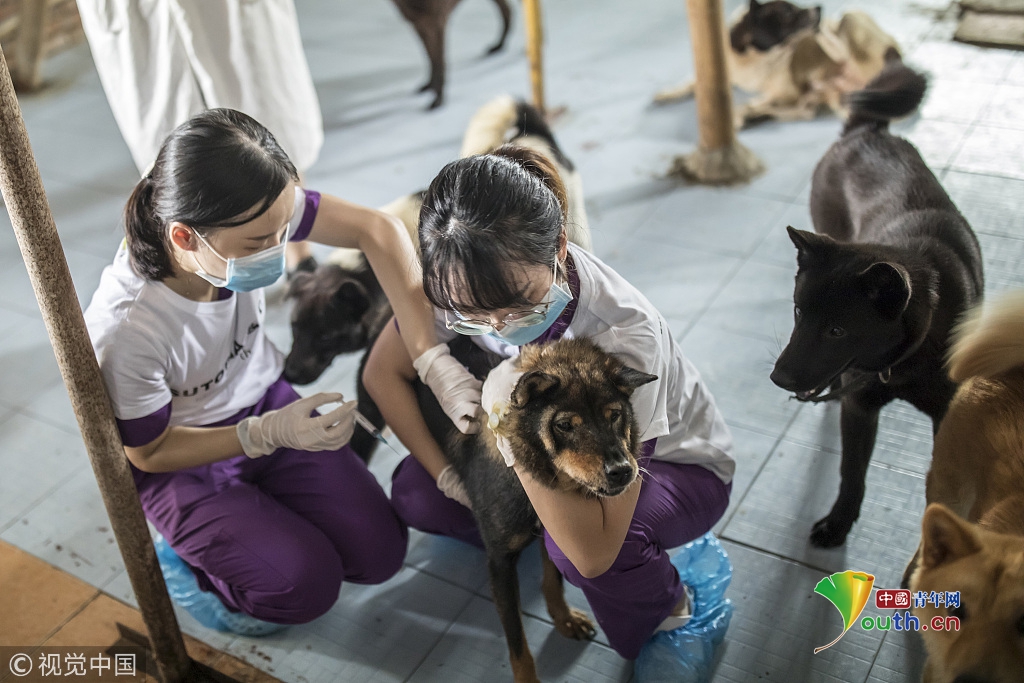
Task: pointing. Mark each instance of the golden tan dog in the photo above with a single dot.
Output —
(796, 64)
(977, 475)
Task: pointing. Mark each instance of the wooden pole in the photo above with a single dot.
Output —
(535, 50)
(40, 245)
(720, 159)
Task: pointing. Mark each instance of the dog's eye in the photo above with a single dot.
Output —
(614, 415)
(960, 612)
(796, 312)
(837, 332)
(564, 426)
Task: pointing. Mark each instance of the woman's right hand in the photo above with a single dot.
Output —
(293, 427)
(456, 389)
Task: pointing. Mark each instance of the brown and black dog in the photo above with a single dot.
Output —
(430, 19)
(796, 63)
(972, 539)
(570, 423)
(879, 287)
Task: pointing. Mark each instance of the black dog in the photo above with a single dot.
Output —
(571, 425)
(893, 266)
(430, 19)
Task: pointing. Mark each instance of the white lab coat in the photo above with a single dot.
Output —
(163, 61)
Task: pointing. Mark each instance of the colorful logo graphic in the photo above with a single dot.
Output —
(849, 591)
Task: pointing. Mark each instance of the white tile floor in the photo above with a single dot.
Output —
(716, 261)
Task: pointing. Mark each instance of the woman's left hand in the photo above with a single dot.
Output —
(456, 389)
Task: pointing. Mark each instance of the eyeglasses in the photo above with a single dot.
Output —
(524, 318)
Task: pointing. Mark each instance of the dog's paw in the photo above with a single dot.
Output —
(829, 533)
(577, 626)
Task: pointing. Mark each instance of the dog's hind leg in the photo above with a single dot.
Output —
(431, 31)
(505, 590)
(506, 25)
(859, 425)
(570, 622)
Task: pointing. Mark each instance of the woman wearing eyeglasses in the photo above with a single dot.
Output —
(498, 266)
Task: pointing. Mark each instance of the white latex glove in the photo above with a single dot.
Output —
(494, 397)
(450, 485)
(292, 427)
(456, 389)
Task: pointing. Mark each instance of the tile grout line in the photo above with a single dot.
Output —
(38, 501)
(753, 480)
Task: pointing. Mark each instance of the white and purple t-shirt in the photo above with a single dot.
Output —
(168, 360)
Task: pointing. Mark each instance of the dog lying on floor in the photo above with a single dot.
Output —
(879, 288)
(568, 379)
(977, 475)
(795, 63)
(430, 19)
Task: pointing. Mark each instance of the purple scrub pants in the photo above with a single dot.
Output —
(274, 537)
(677, 504)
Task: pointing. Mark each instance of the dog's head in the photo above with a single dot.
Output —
(851, 311)
(570, 420)
(767, 24)
(327, 320)
(987, 569)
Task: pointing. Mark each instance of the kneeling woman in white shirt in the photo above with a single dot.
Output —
(259, 495)
(493, 246)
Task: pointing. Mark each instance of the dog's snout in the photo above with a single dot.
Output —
(783, 379)
(618, 474)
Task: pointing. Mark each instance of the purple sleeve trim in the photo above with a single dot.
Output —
(309, 212)
(143, 430)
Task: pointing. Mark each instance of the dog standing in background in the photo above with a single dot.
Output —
(430, 19)
(797, 64)
(972, 538)
(878, 289)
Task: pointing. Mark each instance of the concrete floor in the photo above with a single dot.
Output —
(717, 263)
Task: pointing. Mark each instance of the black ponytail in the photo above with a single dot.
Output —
(147, 247)
(219, 169)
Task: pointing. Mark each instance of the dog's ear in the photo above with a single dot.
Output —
(754, 6)
(887, 285)
(349, 300)
(808, 244)
(945, 537)
(813, 17)
(298, 282)
(628, 380)
(532, 385)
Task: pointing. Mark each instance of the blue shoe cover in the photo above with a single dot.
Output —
(686, 654)
(206, 608)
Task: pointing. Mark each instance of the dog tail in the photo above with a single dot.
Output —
(530, 123)
(490, 126)
(505, 119)
(989, 340)
(895, 92)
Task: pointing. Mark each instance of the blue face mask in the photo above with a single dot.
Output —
(248, 272)
(557, 299)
